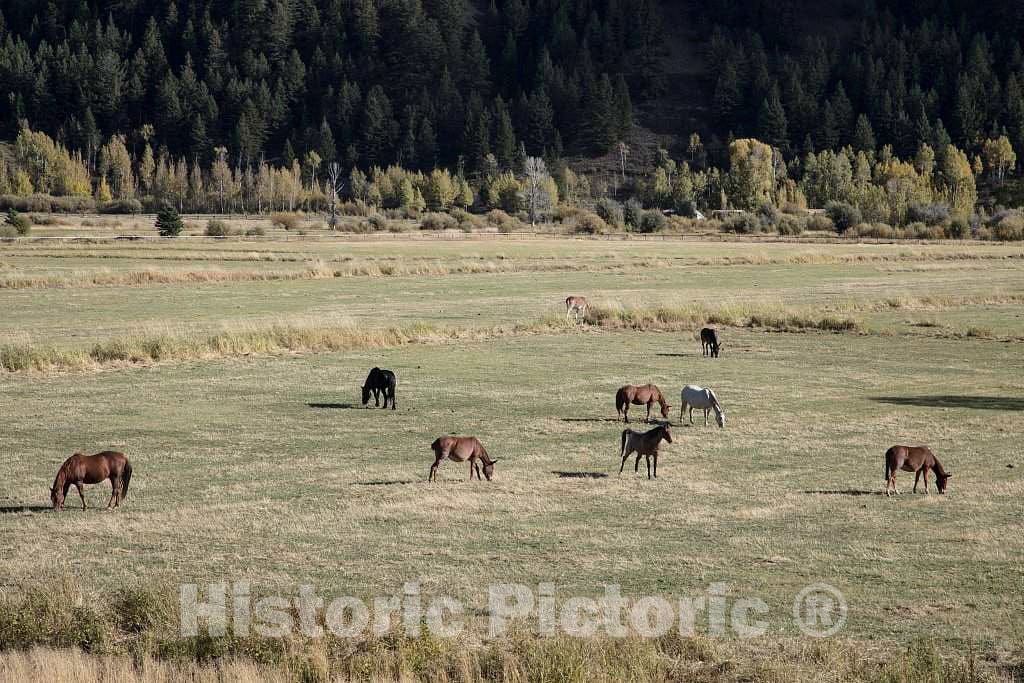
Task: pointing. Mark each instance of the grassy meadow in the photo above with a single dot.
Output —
(262, 466)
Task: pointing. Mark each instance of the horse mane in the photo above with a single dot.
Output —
(714, 399)
(939, 469)
(483, 452)
(62, 475)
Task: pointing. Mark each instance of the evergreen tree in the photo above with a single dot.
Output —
(623, 108)
(772, 126)
(504, 135)
(601, 125)
(863, 135)
(426, 149)
(727, 96)
(326, 146)
(379, 128)
(168, 222)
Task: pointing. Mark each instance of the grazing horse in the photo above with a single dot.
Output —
(693, 396)
(917, 459)
(92, 469)
(647, 395)
(709, 343)
(380, 382)
(645, 444)
(576, 305)
(461, 449)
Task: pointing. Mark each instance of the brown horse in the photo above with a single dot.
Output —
(917, 459)
(92, 469)
(461, 449)
(640, 395)
(645, 444)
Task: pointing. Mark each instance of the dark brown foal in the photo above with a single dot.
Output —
(916, 459)
(645, 444)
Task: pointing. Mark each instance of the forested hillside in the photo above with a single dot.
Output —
(418, 82)
(425, 82)
(245, 104)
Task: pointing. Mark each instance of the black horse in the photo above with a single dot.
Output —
(380, 382)
(709, 343)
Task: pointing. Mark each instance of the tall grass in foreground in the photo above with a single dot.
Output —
(59, 632)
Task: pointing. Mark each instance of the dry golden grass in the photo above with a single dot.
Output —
(252, 461)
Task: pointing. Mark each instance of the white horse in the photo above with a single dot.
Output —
(577, 306)
(693, 396)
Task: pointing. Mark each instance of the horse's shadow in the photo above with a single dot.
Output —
(591, 419)
(14, 509)
(580, 475)
(953, 401)
(847, 492)
(335, 406)
(385, 482)
(672, 355)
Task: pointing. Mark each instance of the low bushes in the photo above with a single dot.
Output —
(742, 224)
(468, 221)
(843, 215)
(819, 222)
(1006, 226)
(20, 225)
(120, 206)
(790, 225)
(438, 221)
(587, 223)
(632, 214)
(652, 221)
(286, 220)
(502, 221)
(44, 203)
(610, 212)
(218, 228)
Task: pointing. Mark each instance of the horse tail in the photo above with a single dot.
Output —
(126, 477)
(888, 472)
(622, 453)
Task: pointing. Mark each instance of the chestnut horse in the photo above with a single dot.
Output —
(917, 459)
(92, 469)
(461, 449)
(647, 395)
(645, 444)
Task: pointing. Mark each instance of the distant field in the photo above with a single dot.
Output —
(266, 468)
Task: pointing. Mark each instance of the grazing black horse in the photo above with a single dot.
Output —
(380, 382)
(709, 343)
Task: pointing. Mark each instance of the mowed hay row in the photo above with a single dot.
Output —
(327, 266)
(313, 338)
(691, 316)
(136, 350)
(140, 350)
